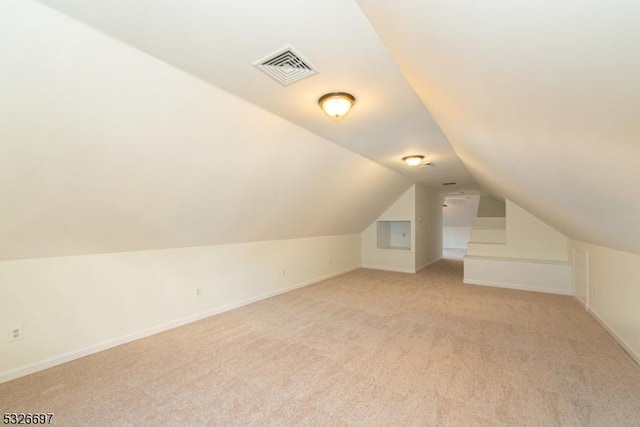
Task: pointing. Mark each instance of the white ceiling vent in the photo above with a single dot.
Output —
(286, 66)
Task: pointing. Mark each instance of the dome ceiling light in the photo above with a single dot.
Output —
(336, 104)
(416, 160)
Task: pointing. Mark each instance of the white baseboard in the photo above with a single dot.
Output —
(581, 302)
(76, 354)
(634, 355)
(428, 264)
(400, 270)
(394, 269)
(516, 287)
(454, 253)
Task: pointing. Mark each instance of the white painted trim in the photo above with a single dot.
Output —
(385, 268)
(516, 287)
(527, 260)
(588, 291)
(471, 242)
(454, 253)
(68, 357)
(527, 275)
(408, 250)
(635, 356)
(428, 264)
(585, 303)
(582, 304)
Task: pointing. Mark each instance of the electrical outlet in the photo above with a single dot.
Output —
(15, 332)
(197, 292)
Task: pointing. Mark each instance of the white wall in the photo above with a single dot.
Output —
(428, 229)
(527, 238)
(423, 207)
(530, 238)
(460, 211)
(72, 306)
(613, 296)
(580, 259)
(456, 237)
(457, 220)
(403, 209)
(527, 275)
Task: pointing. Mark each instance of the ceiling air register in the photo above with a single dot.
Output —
(286, 66)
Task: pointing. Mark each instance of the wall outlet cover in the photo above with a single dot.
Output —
(15, 332)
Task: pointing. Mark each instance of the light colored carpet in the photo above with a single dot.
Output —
(365, 348)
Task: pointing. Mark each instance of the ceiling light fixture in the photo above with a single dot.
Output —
(336, 104)
(414, 160)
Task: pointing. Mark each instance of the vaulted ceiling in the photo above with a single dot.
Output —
(219, 41)
(535, 101)
(104, 148)
(540, 99)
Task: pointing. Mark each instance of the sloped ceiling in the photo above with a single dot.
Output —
(540, 99)
(218, 41)
(104, 148)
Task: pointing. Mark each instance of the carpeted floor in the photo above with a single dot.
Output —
(365, 348)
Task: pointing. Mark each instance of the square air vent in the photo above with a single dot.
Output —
(286, 66)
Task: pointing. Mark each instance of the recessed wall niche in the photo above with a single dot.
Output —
(394, 235)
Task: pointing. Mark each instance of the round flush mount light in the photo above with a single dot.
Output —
(336, 104)
(414, 160)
